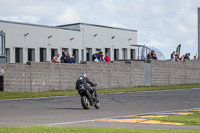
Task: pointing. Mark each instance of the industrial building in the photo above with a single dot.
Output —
(21, 42)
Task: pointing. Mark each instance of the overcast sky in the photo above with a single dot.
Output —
(160, 23)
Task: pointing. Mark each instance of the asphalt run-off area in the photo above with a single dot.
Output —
(117, 110)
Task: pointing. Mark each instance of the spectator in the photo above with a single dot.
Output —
(149, 56)
(62, 59)
(173, 56)
(95, 57)
(67, 59)
(55, 59)
(73, 60)
(182, 58)
(101, 57)
(152, 52)
(197, 56)
(154, 56)
(176, 57)
(187, 56)
(106, 58)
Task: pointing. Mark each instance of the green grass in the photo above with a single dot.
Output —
(191, 119)
(15, 95)
(86, 130)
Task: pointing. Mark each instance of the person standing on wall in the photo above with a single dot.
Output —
(101, 57)
(173, 56)
(62, 59)
(55, 59)
(68, 59)
(154, 56)
(149, 56)
(73, 60)
(95, 57)
(106, 58)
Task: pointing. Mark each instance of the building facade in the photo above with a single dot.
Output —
(22, 42)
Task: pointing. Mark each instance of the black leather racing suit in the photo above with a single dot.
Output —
(83, 82)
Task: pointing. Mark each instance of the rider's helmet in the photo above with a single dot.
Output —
(84, 75)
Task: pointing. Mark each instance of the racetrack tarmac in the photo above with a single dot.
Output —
(67, 111)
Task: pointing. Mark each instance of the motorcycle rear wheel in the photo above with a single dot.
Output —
(85, 102)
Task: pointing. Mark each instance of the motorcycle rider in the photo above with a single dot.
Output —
(83, 81)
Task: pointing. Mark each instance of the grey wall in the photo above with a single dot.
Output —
(172, 73)
(49, 76)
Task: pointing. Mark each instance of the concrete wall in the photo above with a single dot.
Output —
(36, 77)
(49, 76)
(172, 73)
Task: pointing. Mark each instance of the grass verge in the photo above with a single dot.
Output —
(16, 95)
(86, 130)
(190, 119)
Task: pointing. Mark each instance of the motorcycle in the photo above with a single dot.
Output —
(87, 100)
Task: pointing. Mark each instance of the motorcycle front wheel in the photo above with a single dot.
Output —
(97, 105)
(85, 102)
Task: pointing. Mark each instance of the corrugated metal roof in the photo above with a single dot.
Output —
(55, 27)
(96, 26)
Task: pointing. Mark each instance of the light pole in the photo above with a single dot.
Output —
(198, 33)
(83, 52)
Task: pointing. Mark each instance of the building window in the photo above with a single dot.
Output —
(43, 54)
(64, 50)
(18, 55)
(116, 54)
(99, 50)
(54, 52)
(31, 54)
(89, 54)
(133, 54)
(124, 53)
(107, 50)
(75, 52)
(7, 55)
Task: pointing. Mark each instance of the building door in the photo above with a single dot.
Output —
(18, 55)
(89, 54)
(43, 54)
(82, 54)
(124, 53)
(7, 55)
(133, 54)
(54, 52)
(2, 47)
(2, 43)
(76, 55)
(107, 50)
(116, 54)
(31, 54)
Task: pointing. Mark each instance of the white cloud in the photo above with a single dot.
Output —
(156, 44)
(27, 19)
(116, 24)
(68, 16)
(109, 6)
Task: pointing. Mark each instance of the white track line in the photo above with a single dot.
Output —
(75, 122)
